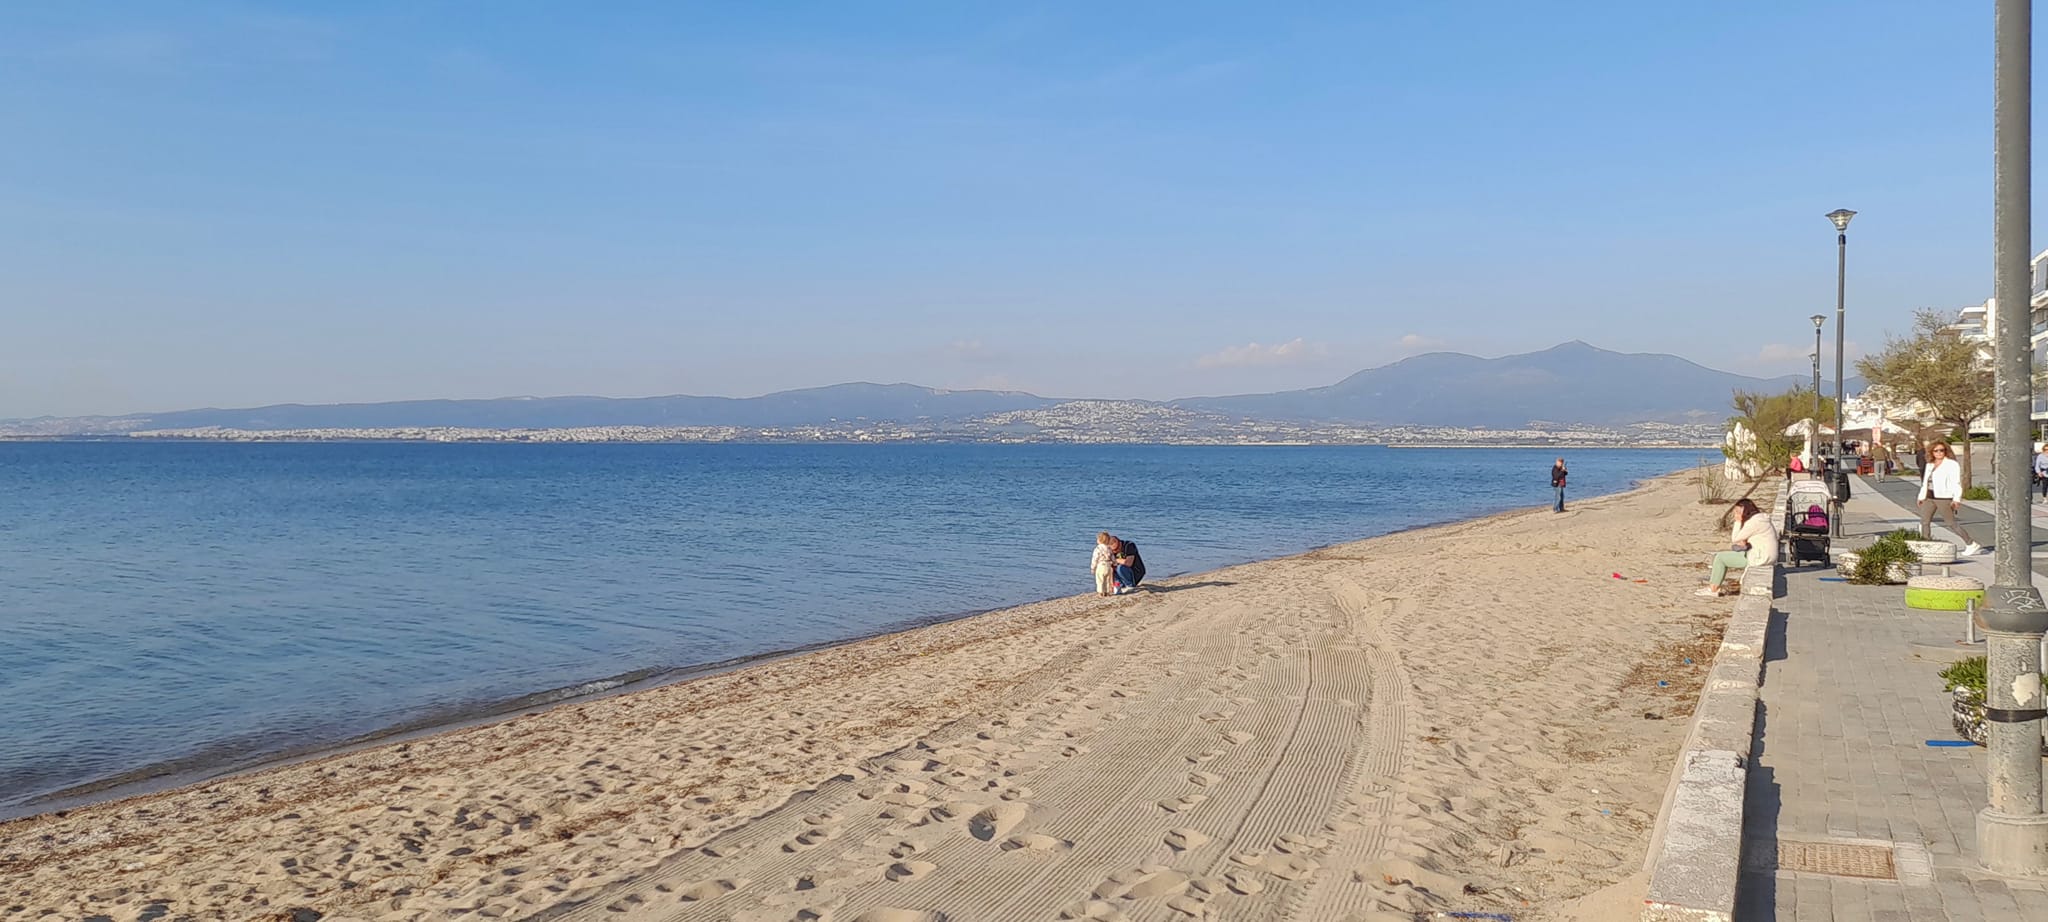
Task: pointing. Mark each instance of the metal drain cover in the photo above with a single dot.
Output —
(1872, 862)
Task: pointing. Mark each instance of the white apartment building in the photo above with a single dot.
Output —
(2037, 318)
(1978, 323)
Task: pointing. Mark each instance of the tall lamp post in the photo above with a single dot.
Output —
(1841, 218)
(2012, 830)
(1817, 319)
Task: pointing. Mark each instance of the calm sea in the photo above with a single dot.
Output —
(175, 609)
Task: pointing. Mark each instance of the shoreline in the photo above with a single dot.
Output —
(223, 761)
(586, 794)
(1590, 445)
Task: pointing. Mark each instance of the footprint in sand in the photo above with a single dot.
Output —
(1295, 844)
(704, 890)
(1204, 779)
(890, 914)
(1237, 737)
(910, 869)
(1201, 757)
(1186, 838)
(1217, 716)
(1143, 883)
(894, 789)
(1036, 842)
(997, 821)
(1095, 911)
(1293, 867)
(810, 838)
(1183, 803)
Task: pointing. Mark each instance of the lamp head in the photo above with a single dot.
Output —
(1841, 218)
(1818, 319)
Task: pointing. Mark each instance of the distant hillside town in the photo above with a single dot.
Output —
(1079, 421)
(1571, 394)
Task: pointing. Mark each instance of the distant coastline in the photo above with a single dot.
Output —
(1249, 434)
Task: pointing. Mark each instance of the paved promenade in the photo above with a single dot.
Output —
(1842, 782)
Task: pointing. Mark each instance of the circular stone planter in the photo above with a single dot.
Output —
(1936, 552)
(1966, 714)
(1943, 593)
(1845, 564)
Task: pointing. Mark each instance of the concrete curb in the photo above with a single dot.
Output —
(1695, 857)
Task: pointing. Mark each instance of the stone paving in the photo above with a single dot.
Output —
(1840, 760)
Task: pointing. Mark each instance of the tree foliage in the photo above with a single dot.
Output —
(1937, 369)
(1767, 416)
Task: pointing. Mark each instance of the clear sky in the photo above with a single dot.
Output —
(223, 204)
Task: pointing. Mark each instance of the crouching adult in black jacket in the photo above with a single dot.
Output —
(1130, 568)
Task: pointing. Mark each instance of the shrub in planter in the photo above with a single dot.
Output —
(1965, 679)
(1978, 492)
(1885, 560)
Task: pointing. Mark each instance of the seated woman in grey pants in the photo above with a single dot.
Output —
(1753, 542)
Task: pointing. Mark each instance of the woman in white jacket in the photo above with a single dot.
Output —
(1753, 542)
(1941, 487)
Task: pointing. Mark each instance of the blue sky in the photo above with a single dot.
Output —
(235, 203)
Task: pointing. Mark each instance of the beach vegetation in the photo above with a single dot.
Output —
(1766, 448)
(1875, 565)
(1937, 369)
(1970, 675)
(1712, 481)
(1967, 681)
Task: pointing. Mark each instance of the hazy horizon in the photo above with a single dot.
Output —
(1827, 382)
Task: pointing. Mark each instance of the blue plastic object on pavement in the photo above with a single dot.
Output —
(1950, 743)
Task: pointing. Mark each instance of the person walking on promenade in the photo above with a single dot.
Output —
(2041, 469)
(1941, 486)
(1105, 572)
(1753, 542)
(1557, 476)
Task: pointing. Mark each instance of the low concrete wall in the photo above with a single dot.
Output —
(1695, 854)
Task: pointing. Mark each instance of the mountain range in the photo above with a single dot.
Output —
(1565, 384)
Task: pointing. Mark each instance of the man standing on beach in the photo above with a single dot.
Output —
(1557, 475)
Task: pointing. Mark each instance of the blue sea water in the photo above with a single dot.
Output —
(186, 607)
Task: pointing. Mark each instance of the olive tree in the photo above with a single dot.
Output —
(1766, 447)
(1936, 369)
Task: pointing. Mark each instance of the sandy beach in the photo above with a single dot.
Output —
(1459, 718)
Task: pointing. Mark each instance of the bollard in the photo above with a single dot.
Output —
(1969, 620)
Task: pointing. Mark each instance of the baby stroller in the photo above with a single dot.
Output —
(1806, 522)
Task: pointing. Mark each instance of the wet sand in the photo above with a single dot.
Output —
(1464, 717)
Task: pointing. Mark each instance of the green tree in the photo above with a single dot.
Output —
(1937, 369)
(1767, 416)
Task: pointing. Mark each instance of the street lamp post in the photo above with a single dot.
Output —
(1817, 319)
(2012, 830)
(1841, 218)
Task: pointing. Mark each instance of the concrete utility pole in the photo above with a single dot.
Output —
(2012, 833)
